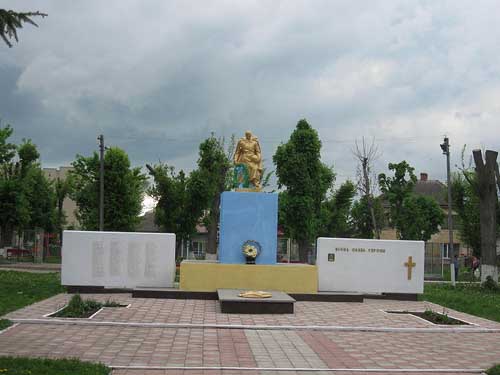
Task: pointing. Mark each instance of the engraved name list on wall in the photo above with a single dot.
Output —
(118, 258)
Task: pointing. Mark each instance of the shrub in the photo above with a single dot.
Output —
(45, 366)
(490, 284)
(438, 318)
(4, 323)
(495, 370)
(79, 308)
(110, 303)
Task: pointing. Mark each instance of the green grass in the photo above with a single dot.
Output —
(12, 260)
(469, 298)
(41, 366)
(80, 308)
(464, 274)
(4, 323)
(52, 259)
(19, 289)
(495, 370)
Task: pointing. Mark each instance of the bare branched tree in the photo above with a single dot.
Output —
(366, 153)
(10, 21)
(466, 169)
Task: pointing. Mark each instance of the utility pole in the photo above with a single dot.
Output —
(445, 146)
(101, 182)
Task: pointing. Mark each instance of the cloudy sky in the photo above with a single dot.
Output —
(157, 77)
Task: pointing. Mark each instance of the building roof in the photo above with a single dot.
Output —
(148, 224)
(429, 188)
(432, 188)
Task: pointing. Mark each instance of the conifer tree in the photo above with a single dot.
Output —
(11, 21)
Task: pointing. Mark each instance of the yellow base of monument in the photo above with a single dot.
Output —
(206, 276)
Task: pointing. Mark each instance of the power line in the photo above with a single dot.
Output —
(267, 140)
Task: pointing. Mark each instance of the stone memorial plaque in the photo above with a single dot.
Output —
(150, 269)
(370, 266)
(134, 260)
(118, 259)
(97, 259)
(115, 259)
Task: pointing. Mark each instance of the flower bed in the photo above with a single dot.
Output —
(79, 308)
(433, 317)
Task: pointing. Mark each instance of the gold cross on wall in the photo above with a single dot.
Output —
(410, 265)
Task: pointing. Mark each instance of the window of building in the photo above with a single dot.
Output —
(283, 253)
(199, 247)
(445, 253)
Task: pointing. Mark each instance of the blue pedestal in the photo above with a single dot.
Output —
(248, 216)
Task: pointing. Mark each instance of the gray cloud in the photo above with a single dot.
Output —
(157, 77)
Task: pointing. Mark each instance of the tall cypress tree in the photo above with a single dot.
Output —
(306, 181)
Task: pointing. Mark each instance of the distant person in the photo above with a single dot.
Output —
(455, 264)
(475, 266)
(475, 263)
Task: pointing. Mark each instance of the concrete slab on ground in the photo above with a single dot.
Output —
(278, 303)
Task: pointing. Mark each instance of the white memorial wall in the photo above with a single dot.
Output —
(118, 259)
(370, 266)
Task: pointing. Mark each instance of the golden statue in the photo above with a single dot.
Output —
(248, 152)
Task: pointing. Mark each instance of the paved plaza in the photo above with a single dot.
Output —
(166, 336)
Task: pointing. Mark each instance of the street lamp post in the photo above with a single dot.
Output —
(445, 146)
(101, 182)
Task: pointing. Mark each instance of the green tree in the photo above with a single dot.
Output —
(181, 200)
(61, 190)
(214, 165)
(28, 156)
(420, 218)
(14, 207)
(306, 181)
(362, 218)
(466, 205)
(396, 189)
(27, 198)
(11, 21)
(414, 217)
(7, 150)
(336, 212)
(124, 189)
(41, 199)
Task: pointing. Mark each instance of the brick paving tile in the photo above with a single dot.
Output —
(233, 372)
(282, 349)
(131, 346)
(371, 313)
(151, 346)
(137, 346)
(427, 350)
(331, 353)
